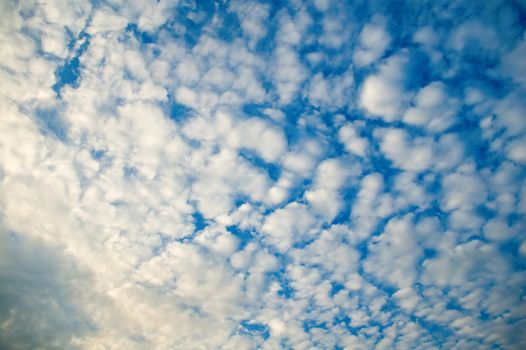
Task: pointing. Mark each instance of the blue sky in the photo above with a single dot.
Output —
(263, 175)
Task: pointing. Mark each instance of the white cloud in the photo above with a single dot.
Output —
(333, 255)
(433, 109)
(410, 191)
(463, 189)
(303, 158)
(151, 15)
(513, 64)
(54, 42)
(353, 142)
(186, 96)
(370, 206)
(330, 92)
(465, 263)
(286, 226)
(268, 141)
(322, 5)
(336, 31)
(394, 253)
(498, 229)
(187, 71)
(183, 230)
(331, 175)
(382, 94)
(509, 114)
(275, 114)
(407, 298)
(252, 17)
(425, 36)
(289, 73)
(517, 150)
(223, 177)
(287, 69)
(374, 40)
(106, 20)
(218, 78)
(412, 155)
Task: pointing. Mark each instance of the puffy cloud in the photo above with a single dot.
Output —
(247, 175)
(512, 63)
(288, 225)
(517, 150)
(331, 175)
(393, 255)
(289, 73)
(187, 71)
(509, 113)
(420, 153)
(106, 20)
(253, 17)
(471, 261)
(412, 155)
(261, 137)
(382, 94)
(349, 136)
(370, 206)
(463, 189)
(330, 92)
(374, 40)
(433, 109)
(425, 36)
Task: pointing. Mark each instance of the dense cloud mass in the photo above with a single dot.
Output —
(262, 174)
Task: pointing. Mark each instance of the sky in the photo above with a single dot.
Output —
(262, 174)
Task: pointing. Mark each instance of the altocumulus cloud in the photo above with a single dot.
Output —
(262, 174)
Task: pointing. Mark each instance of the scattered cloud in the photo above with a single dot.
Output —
(262, 175)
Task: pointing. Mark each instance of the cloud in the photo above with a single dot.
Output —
(382, 94)
(331, 176)
(433, 108)
(349, 136)
(331, 91)
(393, 255)
(374, 40)
(370, 206)
(288, 225)
(40, 293)
(253, 17)
(256, 175)
(289, 73)
(106, 20)
(412, 155)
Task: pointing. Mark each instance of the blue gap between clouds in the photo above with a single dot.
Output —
(193, 21)
(200, 222)
(256, 109)
(438, 332)
(49, 123)
(69, 72)
(230, 27)
(244, 236)
(311, 323)
(273, 171)
(141, 36)
(254, 328)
